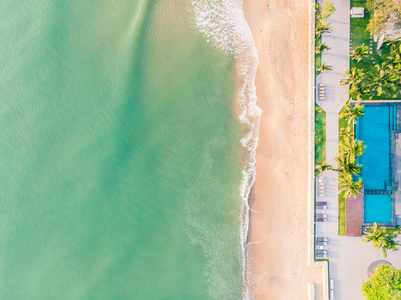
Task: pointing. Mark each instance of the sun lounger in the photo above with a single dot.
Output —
(320, 247)
(321, 243)
(321, 203)
(321, 217)
(321, 239)
(321, 254)
(321, 207)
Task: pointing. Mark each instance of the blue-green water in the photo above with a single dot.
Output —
(120, 154)
(377, 208)
(375, 130)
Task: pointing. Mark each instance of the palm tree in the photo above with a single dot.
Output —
(356, 92)
(321, 48)
(352, 148)
(322, 27)
(346, 166)
(350, 187)
(395, 45)
(321, 168)
(325, 67)
(382, 238)
(354, 77)
(352, 113)
(395, 60)
(360, 53)
(383, 81)
(346, 133)
(324, 10)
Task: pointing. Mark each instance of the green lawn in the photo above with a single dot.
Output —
(318, 57)
(360, 36)
(320, 129)
(341, 199)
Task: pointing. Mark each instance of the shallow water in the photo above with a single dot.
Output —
(120, 154)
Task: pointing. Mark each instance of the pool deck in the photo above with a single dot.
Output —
(353, 216)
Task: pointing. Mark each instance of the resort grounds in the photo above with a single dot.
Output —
(348, 257)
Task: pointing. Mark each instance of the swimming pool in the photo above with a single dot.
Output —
(375, 130)
(377, 208)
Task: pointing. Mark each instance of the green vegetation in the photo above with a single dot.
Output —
(384, 284)
(324, 10)
(321, 48)
(378, 73)
(318, 56)
(321, 168)
(320, 129)
(382, 238)
(349, 149)
(324, 67)
(360, 53)
(341, 213)
(349, 187)
(384, 13)
(322, 27)
(351, 114)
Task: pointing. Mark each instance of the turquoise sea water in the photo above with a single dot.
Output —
(120, 155)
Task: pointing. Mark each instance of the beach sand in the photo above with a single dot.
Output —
(277, 265)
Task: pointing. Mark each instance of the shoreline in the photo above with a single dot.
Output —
(277, 252)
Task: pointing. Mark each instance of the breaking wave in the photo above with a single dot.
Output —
(223, 24)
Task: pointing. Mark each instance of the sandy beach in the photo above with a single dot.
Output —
(277, 261)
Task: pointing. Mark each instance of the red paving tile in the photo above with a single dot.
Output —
(353, 216)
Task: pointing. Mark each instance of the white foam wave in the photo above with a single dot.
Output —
(223, 24)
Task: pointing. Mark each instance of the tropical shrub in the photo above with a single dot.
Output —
(382, 238)
(384, 284)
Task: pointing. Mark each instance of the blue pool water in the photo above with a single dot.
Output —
(375, 130)
(377, 208)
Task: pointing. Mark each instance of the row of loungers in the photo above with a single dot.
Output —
(320, 186)
(321, 242)
(320, 91)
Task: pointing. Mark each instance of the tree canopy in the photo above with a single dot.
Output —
(384, 13)
(382, 238)
(384, 284)
(327, 9)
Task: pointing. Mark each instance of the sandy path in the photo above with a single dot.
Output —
(278, 265)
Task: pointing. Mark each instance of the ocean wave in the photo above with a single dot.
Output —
(223, 24)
